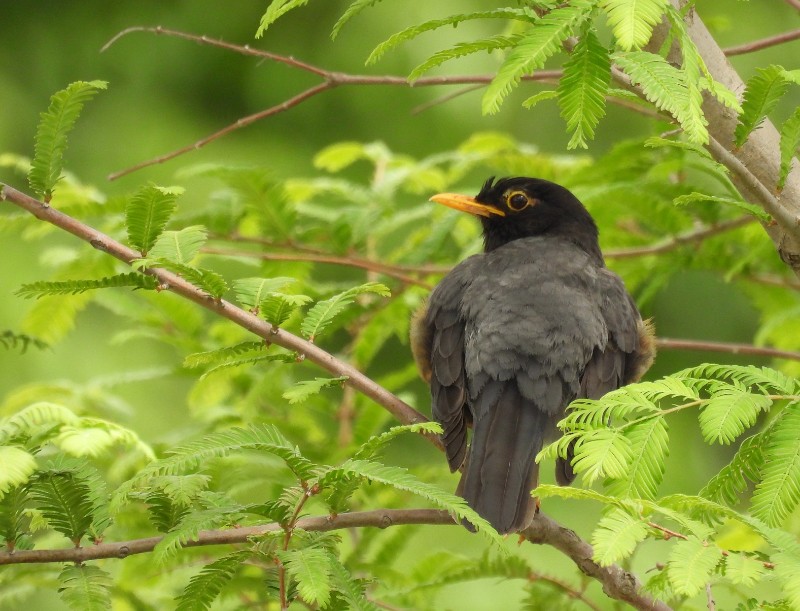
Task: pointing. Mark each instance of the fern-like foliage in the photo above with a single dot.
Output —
(204, 587)
(13, 519)
(250, 292)
(51, 135)
(691, 563)
(583, 88)
(322, 314)
(311, 568)
(666, 87)
(263, 438)
(148, 213)
(486, 45)
(85, 587)
(179, 246)
(351, 11)
(534, 48)
(695, 197)
(632, 21)
(790, 140)
(275, 10)
(18, 466)
(616, 536)
(75, 287)
(763, 92)
(307, 388)
(72, 498)
(222, 355)
(412, 32)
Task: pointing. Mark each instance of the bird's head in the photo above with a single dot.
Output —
(513, 208)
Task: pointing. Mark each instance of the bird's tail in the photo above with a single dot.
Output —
(501, 471)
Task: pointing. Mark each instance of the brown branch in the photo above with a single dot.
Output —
(681, 239)
(174, 283)
(617, 582)
(726, 347)
(331, 80)
(763, 43)
(381, 518)
(366, 264)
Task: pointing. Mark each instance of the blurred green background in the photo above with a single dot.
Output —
(165, 93)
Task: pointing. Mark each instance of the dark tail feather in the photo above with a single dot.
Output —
(501, 472)
(564, 473)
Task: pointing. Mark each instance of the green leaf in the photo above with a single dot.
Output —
(602, 453)
(85, 587)
(735, 477)
(583, 88)
(322, 314)
(303, 390)
(51, 135)
(18, 466)
(275, 10)
(351, 589)
(62, 493)
(763, 92)
(251, 291)
(616, 537)
(401, 479)
(452, 20)
(790, 140)
(649, 447)
(356, 6)
(752, 209)
(778, 493)
(277, 308)
(787, 571)
(204, 587)
(179, 246)
(744, 570)
(690, 564)
(75, 287)
(539, 97)
(148, 213)
(310, 567)
(221, 355)
(262, 438)
(208, 280)
(632, 21)
(13, 519)
(488, 45)
(729, 412)
(534, 48)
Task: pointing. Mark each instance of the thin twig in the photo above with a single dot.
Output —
(763, 43)
(712, 606)
(682, 239)
(794, 4)
(665, 343)
(379, 518)
(366, 264)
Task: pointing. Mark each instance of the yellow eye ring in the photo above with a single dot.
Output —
(518, 200)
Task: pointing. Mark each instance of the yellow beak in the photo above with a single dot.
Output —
(466, 203)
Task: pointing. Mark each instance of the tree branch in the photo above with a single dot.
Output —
(617, 582)
(726, 347)
(381, 518)
(763, 43)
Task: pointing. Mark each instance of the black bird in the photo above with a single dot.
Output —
(511, 336)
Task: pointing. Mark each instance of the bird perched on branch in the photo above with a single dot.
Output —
(510, 336)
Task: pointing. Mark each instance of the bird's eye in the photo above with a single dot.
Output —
(518, 201)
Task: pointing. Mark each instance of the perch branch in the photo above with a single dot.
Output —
(381, 518)
(763, 43)
(616, 582)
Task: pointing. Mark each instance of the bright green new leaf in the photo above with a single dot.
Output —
(487, 45)
(51, 135)
(778, 493)
(303, 390)
(18, 466)
(251, 291)
(616, 536)
(204, 587)
(310, 567)
(632, 21)
(744, 570)
(790, 140)
(756, 211)
(179, 246)
(322, 314)
(763, 92)
(583, 88)
(534, 48)
(690, 564)
(85, 587)
(275, 10)
(539, 97)
(147, 213)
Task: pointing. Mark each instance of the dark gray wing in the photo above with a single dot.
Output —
(623, 359)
